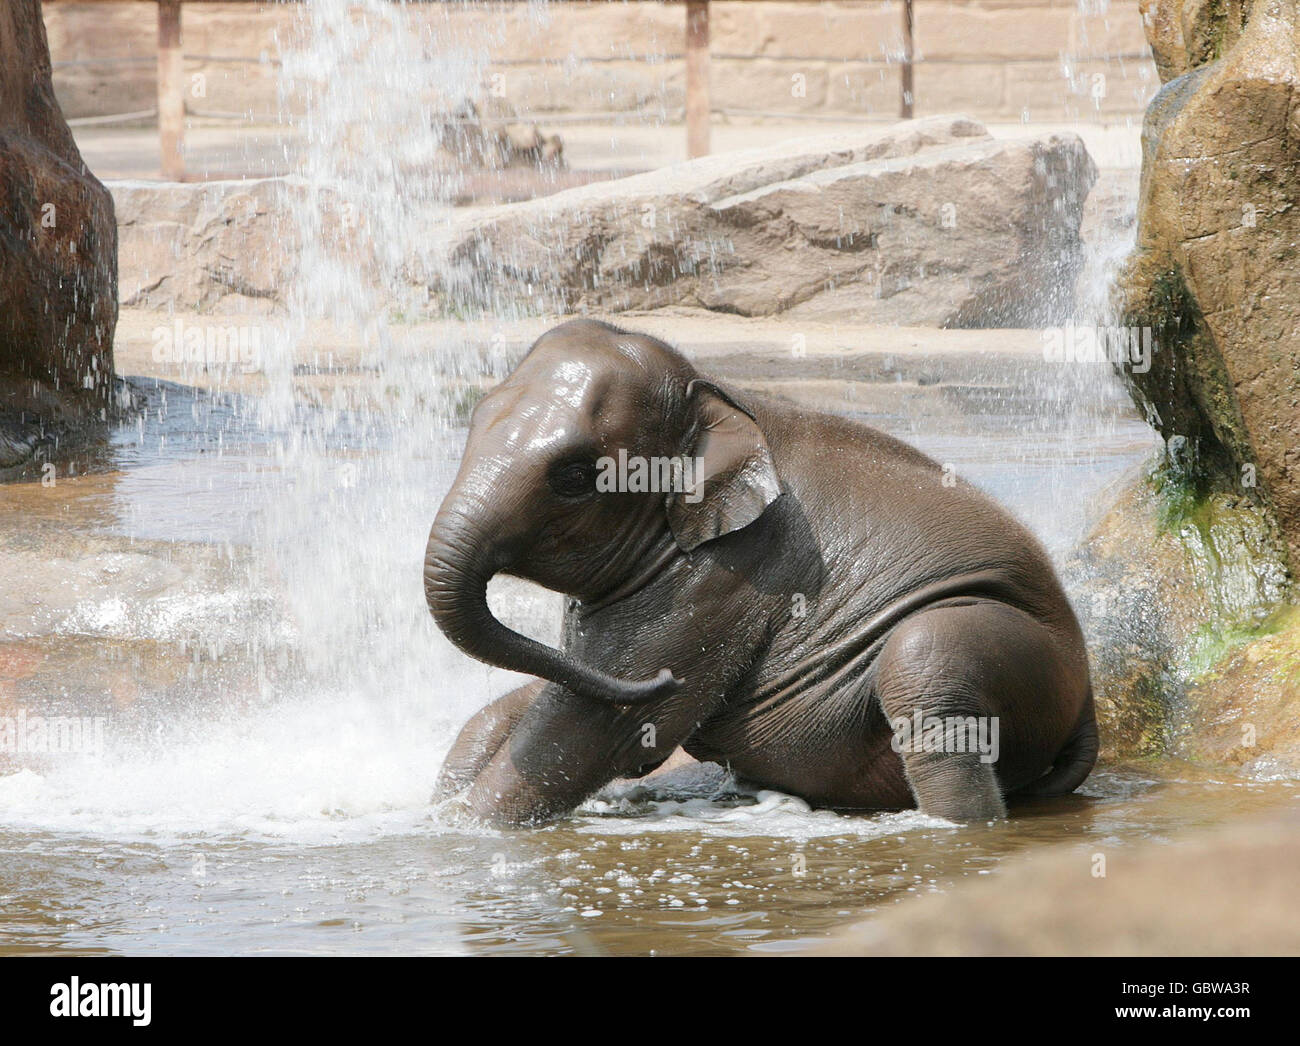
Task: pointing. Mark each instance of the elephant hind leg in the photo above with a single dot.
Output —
(980, 701)
(481, 738)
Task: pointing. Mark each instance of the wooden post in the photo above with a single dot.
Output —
(697, 78)
(171, 91)
(907, 95)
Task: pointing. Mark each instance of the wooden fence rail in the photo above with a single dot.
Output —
(171, 75)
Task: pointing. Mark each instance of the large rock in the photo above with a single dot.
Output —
(1185, 34)
(1224, 892)
(931, 222)
(1177, 595)
(1216, 266)
(235, 247)
(58, 247)
(492, 136)
(1244, 710)
(207, 246)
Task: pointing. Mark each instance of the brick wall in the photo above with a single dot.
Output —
(994, 59)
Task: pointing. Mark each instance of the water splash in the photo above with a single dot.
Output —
(369, 462)
(352, 696)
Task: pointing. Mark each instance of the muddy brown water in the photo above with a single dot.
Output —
(683, 877)
(271, 729)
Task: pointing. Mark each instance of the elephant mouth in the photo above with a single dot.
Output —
(643, 577)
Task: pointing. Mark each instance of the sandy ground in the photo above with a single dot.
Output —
(225, 150)
(818, 359)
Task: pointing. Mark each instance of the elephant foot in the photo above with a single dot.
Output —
(480, 739)
(957, 788)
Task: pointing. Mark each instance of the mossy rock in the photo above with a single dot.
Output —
(1185, 34)
(1216, 262)
(1242, 708)
(1169, 583)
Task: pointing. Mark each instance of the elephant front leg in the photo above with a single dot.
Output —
(565, 747)
(481, 738)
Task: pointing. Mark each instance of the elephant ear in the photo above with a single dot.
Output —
(734, 476)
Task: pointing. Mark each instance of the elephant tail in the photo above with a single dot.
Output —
(1075, 761)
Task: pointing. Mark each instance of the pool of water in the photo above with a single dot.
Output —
(689, 867)
(248, 628)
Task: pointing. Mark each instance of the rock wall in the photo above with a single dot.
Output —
(58, 242)
(1217, 263)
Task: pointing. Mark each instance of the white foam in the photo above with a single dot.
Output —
(705, 798)
(312, 772)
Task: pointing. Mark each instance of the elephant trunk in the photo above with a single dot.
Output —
(458, 564)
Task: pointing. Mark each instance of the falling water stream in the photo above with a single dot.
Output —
(234, 589)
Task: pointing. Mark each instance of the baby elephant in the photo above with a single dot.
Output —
(801, 598)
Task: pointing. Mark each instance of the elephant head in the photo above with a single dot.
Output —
(533, 496)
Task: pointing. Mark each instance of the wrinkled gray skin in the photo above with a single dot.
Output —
(684, 625)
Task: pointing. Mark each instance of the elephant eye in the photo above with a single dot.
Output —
(575, 479)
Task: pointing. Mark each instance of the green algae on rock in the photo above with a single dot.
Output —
(1243, 708)
(1166, 582)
